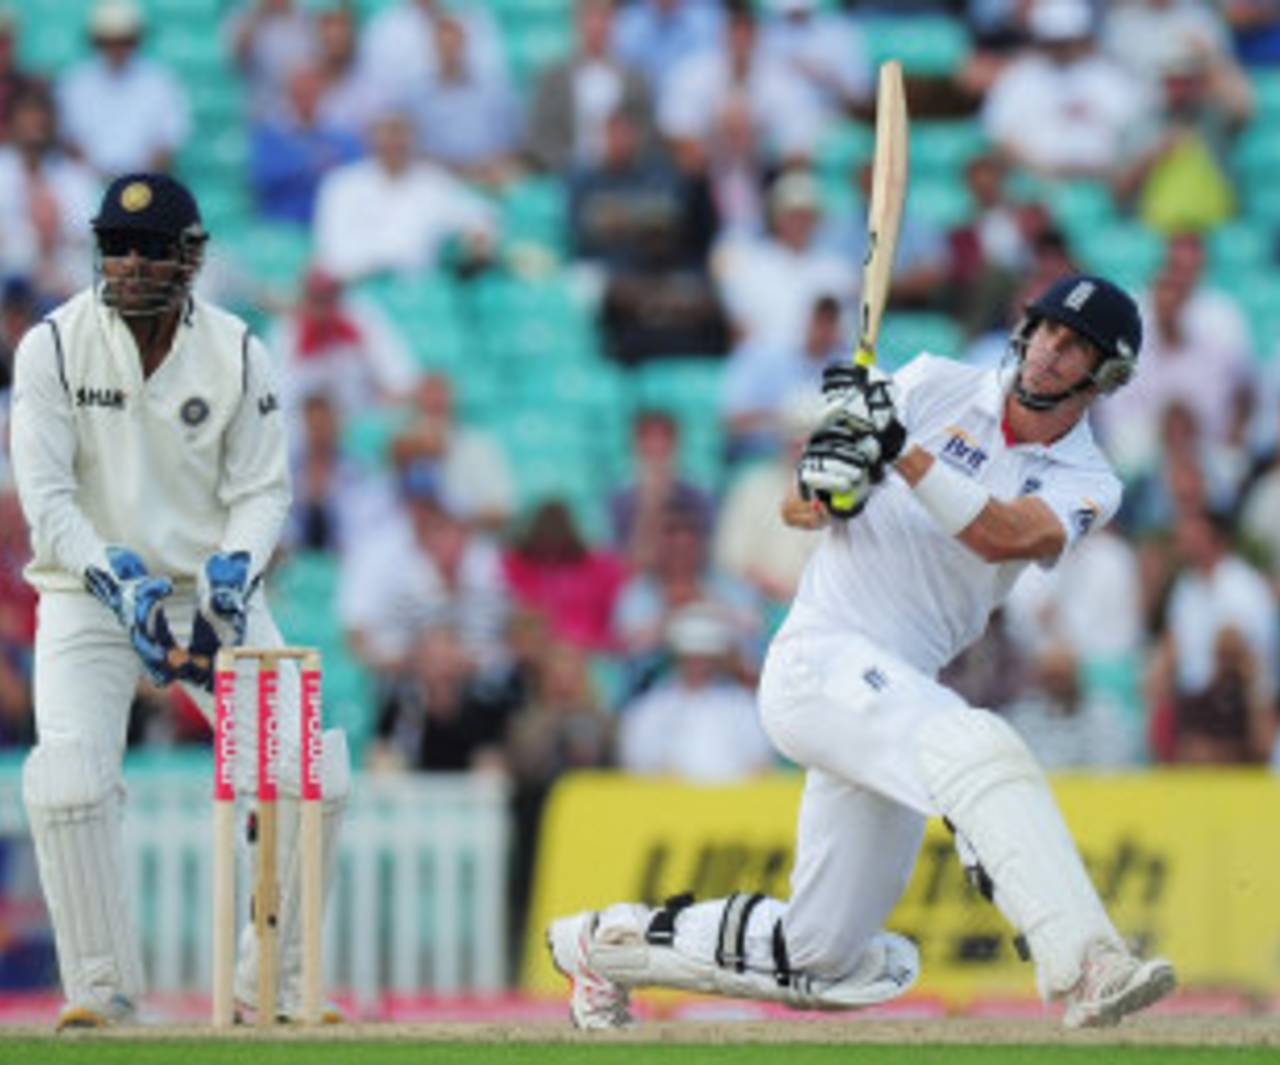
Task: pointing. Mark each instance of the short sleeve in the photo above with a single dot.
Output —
(1082, 500)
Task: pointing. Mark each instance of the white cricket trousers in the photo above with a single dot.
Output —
(846, 710)
(86, 673)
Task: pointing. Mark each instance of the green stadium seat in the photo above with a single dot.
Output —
(1127, 253)
(926, 44)
(367, 437)
(904, 334)
(272, 253)
(1266, 95)
(1080, 207)
(1239, 248)
(941, 149)
(945, 202)
(842, 147)
(1259, 295)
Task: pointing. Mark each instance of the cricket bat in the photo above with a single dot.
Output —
(884, 214)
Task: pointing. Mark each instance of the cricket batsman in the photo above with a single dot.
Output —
(933, 490)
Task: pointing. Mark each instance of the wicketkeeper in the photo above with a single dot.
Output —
(150, 461)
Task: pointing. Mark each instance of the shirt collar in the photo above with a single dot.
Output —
(1069, 447)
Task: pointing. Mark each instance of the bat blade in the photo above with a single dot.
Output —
(884, 215)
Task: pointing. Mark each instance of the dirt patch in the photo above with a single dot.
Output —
(1148, 1031)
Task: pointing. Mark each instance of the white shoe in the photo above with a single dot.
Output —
(595, 1002)
(1113, 983)
(118, 1009)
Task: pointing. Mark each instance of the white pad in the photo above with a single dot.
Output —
(987, 783)
(74, 808)
(620, 951)
(335, 785)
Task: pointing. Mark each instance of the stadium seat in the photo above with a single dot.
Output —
(1127, 253)
(272, 253)
(904, 334)
(926, 44)
(944, 202)
(843, 146)
(941, 149)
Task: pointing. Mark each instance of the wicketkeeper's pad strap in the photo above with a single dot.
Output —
(662, 926)
(731, 944)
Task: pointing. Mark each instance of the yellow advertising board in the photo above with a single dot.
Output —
(1186, 861)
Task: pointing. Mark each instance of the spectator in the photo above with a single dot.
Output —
(1260, 518)
(826, 51)
(350, 99)
(769, 286)
(441, 716)
(656, 36)
(291, 152)
(752, 542)
(46, 201)
(682, 574)
(648, 230)
(1064, 109)
(19, 311)
(701, 722)
(990, 251)
(551, 569)
(1066, 725)
(270, 41)
(17, 627)
(470, 463)
(736, 174)
(1232, 720)
(920, 262)
(698, 89)
(336, 505)
(119, 111)
(1255, 25)
(1139, 34)
(1217, 593)
(468, 119)
(426, 569)
(1178, 178)
(575, 98)
(759, 380)
(400, 50)
(638, 512)
(393, 213)
(342, 344)
(1198, 351)
(13, 81)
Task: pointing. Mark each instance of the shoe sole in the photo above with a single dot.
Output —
(1160, 981)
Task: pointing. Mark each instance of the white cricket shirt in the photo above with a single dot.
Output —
(176, 467)
(892, 574)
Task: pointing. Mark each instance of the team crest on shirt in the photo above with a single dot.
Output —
(194, 411)
(1084, 516)
(962, 451)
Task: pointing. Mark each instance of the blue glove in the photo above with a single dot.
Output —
(223, 590)
(135, 597)
(202, 654)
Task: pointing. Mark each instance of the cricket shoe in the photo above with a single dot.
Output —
(247, 1013)
(596, 1003)
(1113, 983)
(118, 1009)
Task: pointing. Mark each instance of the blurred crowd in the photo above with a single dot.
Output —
(497, 633)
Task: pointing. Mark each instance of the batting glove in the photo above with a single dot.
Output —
(836, 468)
(223, 589)
(862, 398)
(135, 597)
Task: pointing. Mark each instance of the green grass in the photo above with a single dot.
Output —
(244, 1052)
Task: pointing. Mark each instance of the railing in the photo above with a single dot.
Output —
(418, 903)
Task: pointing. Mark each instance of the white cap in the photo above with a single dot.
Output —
(114, 19)
(700, 629)
(1060, 20)
(796, 190)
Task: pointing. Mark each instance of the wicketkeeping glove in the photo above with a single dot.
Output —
(223, 589)
(838, 461)
(136, 598)
(862, 397)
